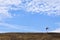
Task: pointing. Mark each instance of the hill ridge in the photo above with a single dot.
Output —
(29, 36)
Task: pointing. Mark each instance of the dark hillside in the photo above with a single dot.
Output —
(29, 36)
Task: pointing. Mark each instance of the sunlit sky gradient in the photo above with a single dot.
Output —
(29, 15)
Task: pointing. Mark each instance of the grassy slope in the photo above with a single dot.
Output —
(29, 36)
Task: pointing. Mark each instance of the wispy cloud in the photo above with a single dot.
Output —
(3, 31)
(49, 7)
(17, 28)
(57, 23)
(5, 6)
(7, 25)
(4, 13)
(58, 28)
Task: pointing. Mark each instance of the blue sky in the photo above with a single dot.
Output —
(29, 15)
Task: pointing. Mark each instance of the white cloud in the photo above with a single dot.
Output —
(5, 6)
(4, 13)
(9, 2)
(51, 7)
(48, 6)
